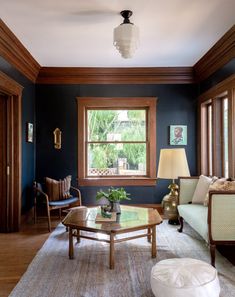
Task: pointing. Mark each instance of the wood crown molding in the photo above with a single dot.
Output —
(9, 86)
(16, 54)
(221, 87)
(139, 75)
(218, 56)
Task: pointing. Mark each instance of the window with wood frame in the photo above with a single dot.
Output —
(217, 130)
(117, 141)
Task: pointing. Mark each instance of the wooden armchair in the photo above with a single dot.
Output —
(39, 193)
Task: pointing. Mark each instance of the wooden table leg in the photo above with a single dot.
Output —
(78, 236)
(70, 243)
(154, 246)
(111, 254)
(149, 236)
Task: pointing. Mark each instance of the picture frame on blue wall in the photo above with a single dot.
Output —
(29, 132)
(178, 135)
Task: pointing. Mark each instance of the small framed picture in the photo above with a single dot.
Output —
(29, 132)
(178, 135)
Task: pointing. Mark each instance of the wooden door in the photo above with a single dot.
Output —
(3, 163)
(10, 154)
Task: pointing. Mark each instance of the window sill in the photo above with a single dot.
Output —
(136, 181)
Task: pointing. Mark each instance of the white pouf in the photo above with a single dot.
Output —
(184, 277)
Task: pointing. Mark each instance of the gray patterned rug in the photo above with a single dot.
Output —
(52, 274)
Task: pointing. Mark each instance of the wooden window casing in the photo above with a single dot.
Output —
(209, 138)
(214, 99)
(224, 138)
(146, 103)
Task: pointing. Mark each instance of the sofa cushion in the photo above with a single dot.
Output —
(196, 216)
(201, 189)
(220, 184)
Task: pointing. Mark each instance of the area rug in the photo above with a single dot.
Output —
(52, 274)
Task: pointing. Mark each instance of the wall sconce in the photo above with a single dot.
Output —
(57, 138)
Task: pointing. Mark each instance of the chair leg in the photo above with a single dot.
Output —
(212, 250)
(49, 218)
(181, 224)
(60, 213)
(35, 211)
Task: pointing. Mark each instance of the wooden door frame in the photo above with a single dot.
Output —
(13, 90)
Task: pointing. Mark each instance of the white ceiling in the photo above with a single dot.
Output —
(80, 32)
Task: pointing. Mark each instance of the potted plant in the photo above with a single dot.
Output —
(113, 196)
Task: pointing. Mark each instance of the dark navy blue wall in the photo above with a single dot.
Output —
(28, 115)
(56, 107)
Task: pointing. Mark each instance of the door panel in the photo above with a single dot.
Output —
(3, 163)
(10, 154)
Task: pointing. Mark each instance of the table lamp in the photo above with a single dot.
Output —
(172, 164)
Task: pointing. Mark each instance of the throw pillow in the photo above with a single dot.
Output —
(201, 189)
(221, 184)
(58, 190)
(65, 187)
(53, 189)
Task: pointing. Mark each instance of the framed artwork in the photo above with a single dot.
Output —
(178, 135)
(29, 132)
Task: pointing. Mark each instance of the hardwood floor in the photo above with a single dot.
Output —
(17, 250)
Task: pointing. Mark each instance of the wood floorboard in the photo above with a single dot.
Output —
(17, 250)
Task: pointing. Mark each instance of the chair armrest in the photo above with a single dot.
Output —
(37, 190)
(221, 216)
(78, 193)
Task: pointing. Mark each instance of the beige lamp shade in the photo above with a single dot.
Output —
(172, 164)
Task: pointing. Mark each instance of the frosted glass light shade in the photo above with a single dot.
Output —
(126, 39)
(172, 164)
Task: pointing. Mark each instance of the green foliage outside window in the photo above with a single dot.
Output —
(116, 125)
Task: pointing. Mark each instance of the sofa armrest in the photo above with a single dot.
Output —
(221, 216)
(187, 187)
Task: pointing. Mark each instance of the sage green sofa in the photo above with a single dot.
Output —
(215, 222)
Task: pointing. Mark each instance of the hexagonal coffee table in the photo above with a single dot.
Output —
(131, 219)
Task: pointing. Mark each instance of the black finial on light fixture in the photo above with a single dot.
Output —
(126, 14)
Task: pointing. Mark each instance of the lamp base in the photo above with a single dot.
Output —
(169, 205)
(174, 222)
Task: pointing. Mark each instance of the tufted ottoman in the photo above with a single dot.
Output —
(184, 277)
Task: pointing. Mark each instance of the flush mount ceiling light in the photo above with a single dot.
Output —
(126, 36)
